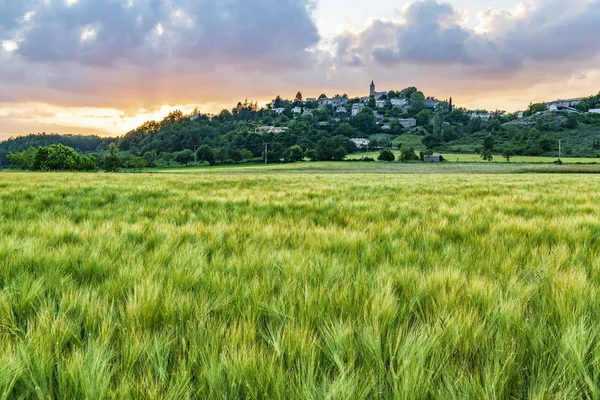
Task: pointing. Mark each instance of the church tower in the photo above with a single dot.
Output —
(372, 92)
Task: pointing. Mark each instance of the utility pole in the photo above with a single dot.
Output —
(266, 149)
(559, 148)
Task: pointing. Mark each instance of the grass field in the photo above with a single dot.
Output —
(476, 158)
(284, 284)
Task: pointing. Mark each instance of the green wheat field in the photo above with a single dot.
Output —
(289, 285)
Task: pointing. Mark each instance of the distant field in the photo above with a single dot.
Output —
(356, 167)
(282, 284)
(450, 157)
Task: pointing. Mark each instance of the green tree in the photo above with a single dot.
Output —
(408, 155)
(424, 117)
(386, 155)
(508, 153)
(150, 157)
(205, 154)
(293, 154)
(138, 162)
(417, 102)
(488, 148)
(298, 99)
(184, 157)
(112, 162)
(23, 159)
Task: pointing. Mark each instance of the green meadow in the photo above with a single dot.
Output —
(306, 282)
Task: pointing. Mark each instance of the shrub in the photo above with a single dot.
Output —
(386, 155)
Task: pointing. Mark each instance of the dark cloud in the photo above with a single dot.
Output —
(432, 33)
(146, 32)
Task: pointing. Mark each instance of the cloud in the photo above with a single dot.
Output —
(433, 33)
(146, 32)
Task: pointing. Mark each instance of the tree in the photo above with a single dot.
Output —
(150, 157)
(535, 108)
(417, 102)
(508, 153)
(112, 162)
(424, 117)
(184, 157)
(488, 148)
(571, 122)
(386, 155)
(205, 154)
(408, 155)
(23, 159)
(298, 98)
(293, 154)
(138, 162)
(235, 155)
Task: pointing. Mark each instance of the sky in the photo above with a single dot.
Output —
(106, 66)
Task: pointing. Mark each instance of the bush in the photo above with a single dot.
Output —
(386, 155)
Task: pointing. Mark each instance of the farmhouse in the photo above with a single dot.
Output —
(270, 129)
(564, 103)
(361, 143)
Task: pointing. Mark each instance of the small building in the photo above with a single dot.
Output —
(594, 110)
(520, 114)
(325, 102)
(279, 110)
(399, 103)
(297, 110)
(435, 158)
(564, 102)
(357, 108)
(481, 115)
(386, 127)
(380, 103)
(407, 122)
(361, 143)
(307, 112)
(311, 99)
(270, 129)
(431, 103)
(341, 110)
(338, 101)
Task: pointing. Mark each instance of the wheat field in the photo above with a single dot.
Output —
(299, 286)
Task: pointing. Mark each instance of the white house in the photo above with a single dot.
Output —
(270, 129)
(407, 122)
(399, 103)
(325, 102)
(357, 108)
(279, 110)
(341, 110)
(338, 101)
(361, 143)
(380, 103)
(297, 110)
(386, 127)
(594, 110)
(564, 103)
(520, 114)
(481, 115)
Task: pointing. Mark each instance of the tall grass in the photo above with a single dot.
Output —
(299, 286)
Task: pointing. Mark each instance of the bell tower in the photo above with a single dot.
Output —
(372, 92)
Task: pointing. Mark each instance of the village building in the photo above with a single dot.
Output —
(407, 122)
(297, 110)
(399, 103)
(279, 110)
(377, 95)
(564, 103)
(380, 103)
(361, 143)
(270, 129)
(341, 110)
(594, 110)
(357, 108)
